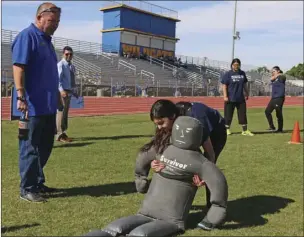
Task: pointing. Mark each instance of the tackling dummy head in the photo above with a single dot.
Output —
(187, 133)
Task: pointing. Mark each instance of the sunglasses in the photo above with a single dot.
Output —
(52, 9)
(67, 54)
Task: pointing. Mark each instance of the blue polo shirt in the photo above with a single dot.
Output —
(33, 48)
(235, 82)
(278, 87)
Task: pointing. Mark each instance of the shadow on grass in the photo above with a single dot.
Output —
(266, 132)
(72, 144)
(246, 212)
(5, 229)
(114, 189)
(111, 138)
(270, 132)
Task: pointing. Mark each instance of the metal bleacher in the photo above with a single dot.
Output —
(99, 70)
(167, 74)
(94, 68)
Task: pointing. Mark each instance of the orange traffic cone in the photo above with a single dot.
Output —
(295, 137)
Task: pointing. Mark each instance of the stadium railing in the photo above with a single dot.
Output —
(107, 51)
(146, 6)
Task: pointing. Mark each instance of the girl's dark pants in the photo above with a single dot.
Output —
(218, 139)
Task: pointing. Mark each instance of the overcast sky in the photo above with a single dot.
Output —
(271, 31)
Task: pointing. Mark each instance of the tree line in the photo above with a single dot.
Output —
(295, 71)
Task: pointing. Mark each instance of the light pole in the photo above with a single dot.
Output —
(235, 34)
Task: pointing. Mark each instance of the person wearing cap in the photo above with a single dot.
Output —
(36, 82)
(234, 87)
(277, 99)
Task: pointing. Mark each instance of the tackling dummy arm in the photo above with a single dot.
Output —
(217, 184)
(142, 168)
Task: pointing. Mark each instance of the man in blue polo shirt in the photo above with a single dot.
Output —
(36, 81)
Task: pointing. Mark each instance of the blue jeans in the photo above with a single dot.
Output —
(35, 151)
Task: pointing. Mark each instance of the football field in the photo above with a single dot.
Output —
(96, 174)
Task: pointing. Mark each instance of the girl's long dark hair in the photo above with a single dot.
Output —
(163, 109)
(161, 139)
(159, 142)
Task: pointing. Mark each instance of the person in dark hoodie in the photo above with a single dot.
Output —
(277, 99)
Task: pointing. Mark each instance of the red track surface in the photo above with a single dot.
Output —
(94, 106)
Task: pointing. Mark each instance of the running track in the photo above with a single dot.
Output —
(94, 106)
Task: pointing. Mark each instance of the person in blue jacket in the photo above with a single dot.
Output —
(234, 87)
(212, 120)
(277, 99)
(214, 126)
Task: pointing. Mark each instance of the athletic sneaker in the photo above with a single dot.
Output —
(228, 132)
(205, 225)
(272, 129)
(247, 133)
(32, 197)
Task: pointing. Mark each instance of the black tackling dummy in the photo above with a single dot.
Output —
(169, 198)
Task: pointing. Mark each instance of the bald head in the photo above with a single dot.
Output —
(48, 17)
(44, 6)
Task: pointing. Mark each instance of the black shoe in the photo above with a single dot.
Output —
(279, 131)
(45, 189)
(205, 225)
(32, 197)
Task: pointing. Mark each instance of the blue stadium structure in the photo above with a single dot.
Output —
(138, 32)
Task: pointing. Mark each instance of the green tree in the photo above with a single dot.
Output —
(297, 71)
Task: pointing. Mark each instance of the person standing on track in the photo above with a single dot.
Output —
(277, 99)
(234, 84)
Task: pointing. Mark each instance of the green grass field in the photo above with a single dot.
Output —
(264, 173)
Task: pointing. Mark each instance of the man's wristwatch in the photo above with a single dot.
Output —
(21, 98)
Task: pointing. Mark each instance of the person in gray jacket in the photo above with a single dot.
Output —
(167, 203)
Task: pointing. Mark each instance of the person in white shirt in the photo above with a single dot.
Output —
(67, 88)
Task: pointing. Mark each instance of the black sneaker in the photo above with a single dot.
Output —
(205, 225)
(45, 189)
(279, 131)
(32, 197)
